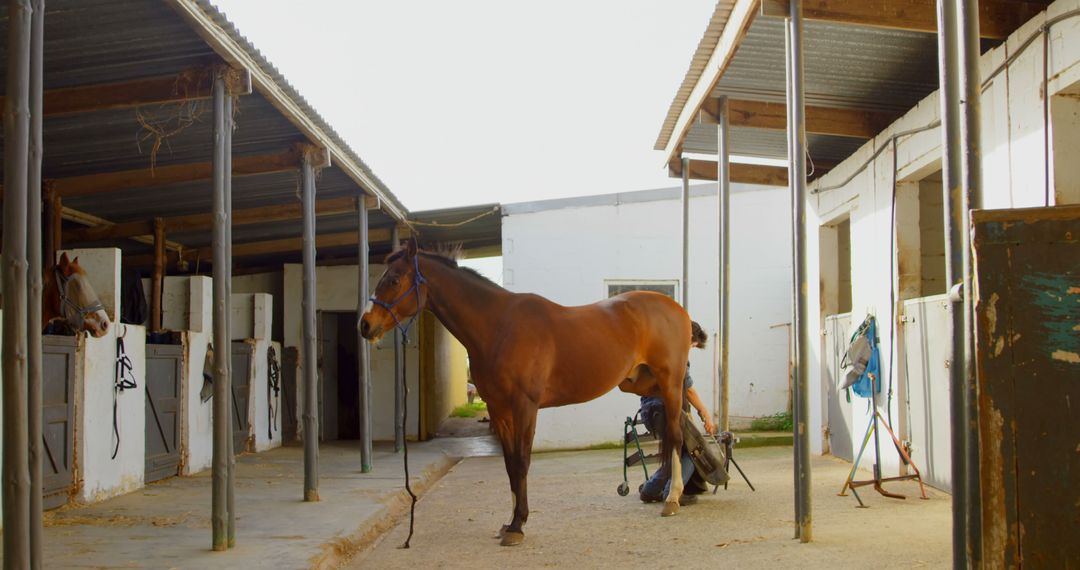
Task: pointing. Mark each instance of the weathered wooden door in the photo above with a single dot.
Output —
(242, 353)
(163, 410)
(1028, 352)
(58, 417)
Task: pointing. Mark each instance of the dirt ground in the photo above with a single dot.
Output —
(579, 521)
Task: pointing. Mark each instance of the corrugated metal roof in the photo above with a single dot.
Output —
(845, 66)
(474, 227)
(113, 41)
(701, 57)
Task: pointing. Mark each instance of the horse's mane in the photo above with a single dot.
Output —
(447, 255)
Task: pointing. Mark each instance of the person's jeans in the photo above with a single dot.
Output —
(660, 481)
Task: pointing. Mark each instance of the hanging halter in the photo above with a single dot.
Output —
(72, 311)
(124, 380)
(419, 280)
(273, 389)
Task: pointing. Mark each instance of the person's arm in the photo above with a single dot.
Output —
(703, 413)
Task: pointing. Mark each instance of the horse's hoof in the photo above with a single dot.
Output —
(670, 509)
(502, 531)
(511, 538)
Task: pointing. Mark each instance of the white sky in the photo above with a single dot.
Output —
(475, 101)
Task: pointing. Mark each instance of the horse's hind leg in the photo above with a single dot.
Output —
(671, 391)
(518, 469)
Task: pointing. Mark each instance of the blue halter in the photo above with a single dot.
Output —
(417, 281)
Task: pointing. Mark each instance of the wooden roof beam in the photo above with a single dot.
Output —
(188, 85)
(274, 246)
(743, 173)
(176, 173)
(819, 120)
(740, 172)
(997, 18)
(202, 222)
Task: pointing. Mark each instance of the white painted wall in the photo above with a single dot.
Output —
(1013, 175)
(336, 290)
(101, 475)
(567, 253)
(198, 428)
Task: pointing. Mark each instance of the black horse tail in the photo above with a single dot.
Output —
(698, 338)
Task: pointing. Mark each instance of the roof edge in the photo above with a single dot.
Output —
(206, 20)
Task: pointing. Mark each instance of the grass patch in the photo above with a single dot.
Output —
(775, 422)
(468, 410)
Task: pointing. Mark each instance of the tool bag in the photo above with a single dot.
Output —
(862, 361)
(705, 452)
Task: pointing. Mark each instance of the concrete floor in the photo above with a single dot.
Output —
(167, 524)
(578, 521)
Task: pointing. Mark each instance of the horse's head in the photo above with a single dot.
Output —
(400, 294)
(79, 304)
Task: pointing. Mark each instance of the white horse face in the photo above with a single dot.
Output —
(81, 295)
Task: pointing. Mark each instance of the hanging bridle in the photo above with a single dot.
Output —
(69, 309)
(417, 281)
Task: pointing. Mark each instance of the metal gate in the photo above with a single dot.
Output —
(58, 417)
(163, 410)
(837, 330)
(925, 404)
(242, 354)
(1027, 311)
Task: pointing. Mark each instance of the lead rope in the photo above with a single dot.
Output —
(124, 380)
(404, 422)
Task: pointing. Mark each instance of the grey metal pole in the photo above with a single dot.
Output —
(685, 203)
(311, 373)
(222, 409)
(226, 272)
(797, 174)
(797, 495)
(362, 349)
(16, 472)
(34, 272)
(971, 195)
(399, 370)
(723, 178)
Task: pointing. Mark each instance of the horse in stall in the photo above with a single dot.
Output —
(527, 353)
(69, 297)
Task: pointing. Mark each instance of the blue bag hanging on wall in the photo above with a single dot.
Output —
(863, 360)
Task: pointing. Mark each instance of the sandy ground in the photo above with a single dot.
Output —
(578, 521)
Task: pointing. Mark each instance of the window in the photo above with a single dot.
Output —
(668, 288)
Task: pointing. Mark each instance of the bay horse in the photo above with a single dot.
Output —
(69, 296)
(527, 353)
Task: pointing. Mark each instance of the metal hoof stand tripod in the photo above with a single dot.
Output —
(852, 484)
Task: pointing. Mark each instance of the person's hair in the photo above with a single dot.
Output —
(697, 335)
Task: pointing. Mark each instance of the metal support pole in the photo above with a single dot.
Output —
(797, 495)
(723, 178)
(222, 382)
(226, 272)
(399, 370)
(971, 197)
(16, 472)
(686, 233)
(797, 176)
(34, 272)
(954, 236)
(363, 355)
(159, 274)
(311, 373)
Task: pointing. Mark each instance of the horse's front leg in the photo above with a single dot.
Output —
(518, 470)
